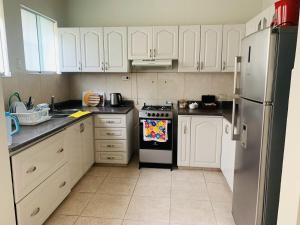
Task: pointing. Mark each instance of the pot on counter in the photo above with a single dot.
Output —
(115, 99)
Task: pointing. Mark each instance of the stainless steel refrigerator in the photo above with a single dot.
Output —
(260, 111)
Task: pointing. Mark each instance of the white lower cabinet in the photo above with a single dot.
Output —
(228, 154)
(113, 135)
(199, 141)
(80, 147)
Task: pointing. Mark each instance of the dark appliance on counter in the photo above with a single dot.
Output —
(116, 99)
(156, 128)
(209, 102)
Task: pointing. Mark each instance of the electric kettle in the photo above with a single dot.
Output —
(115, 99)
(10, 119)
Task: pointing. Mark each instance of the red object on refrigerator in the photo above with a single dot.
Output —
(286, 12)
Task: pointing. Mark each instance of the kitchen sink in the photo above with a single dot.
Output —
(63, 113)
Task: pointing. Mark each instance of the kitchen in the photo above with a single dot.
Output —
(165, 150)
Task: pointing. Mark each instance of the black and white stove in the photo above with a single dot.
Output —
(156, 152)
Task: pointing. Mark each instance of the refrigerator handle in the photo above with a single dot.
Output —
(234, 136)
(237, 61)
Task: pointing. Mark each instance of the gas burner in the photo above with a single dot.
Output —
(157, 107)
(156, 111)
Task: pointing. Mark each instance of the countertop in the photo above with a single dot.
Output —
(32, 134)
(224, 109)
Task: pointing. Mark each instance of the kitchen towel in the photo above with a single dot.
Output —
(155, 130)
(79, 114)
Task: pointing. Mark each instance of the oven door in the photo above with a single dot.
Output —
(168, 145)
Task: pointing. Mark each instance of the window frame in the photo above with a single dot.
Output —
(38, 15)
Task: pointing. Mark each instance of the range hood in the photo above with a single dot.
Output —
(152, 63)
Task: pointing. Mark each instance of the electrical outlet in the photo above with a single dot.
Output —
(125, 78)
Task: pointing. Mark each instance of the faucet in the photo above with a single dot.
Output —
(52, 108)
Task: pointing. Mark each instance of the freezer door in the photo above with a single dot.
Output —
(257, 65)
(248, 163)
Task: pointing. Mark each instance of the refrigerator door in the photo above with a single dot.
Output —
(247, 179)
(257, 66)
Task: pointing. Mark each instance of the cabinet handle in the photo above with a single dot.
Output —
(184, 130)
(110, 157)
(60, 150)
(110, 121)
(31, 169)
(224, 65)
(35, 212)
(150, 53)
(63, 184)
(79, 66)
(110, 146)
(82, 128)
(102, 66)
(227, 129)
(198, 66)
(201, 65)
(111, 134)
(106, 66)
(154, 53)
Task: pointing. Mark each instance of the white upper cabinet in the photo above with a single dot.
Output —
(211, 48)
(189, 48)
(92, 49)
(115, 48)
(232, 40)
(69, 42)
(140, 42)
(165, 42)
(206, 141)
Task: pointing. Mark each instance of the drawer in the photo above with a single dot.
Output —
(111, 145)
(111, 157)
(110, 133)
(110, 120)
(32, 166)
(35, 208)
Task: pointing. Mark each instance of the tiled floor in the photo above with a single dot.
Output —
(129, 196)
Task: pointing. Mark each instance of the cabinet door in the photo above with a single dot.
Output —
(184, 140)
(165, 42)
(87, 136)
(232, 40)
(206, 140)
(73, 145)
(115, 48)
(139, 42)
(189, 48)
(211, 48)
(69, 49)
(228, 154)
(92, 49)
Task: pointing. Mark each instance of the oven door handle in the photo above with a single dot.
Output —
(169, 121)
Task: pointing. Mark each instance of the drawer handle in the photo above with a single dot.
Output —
(227, 129)
(35, 212)
(63, 184)
(31, 169)
(110, 121)
(110, 146)
(110, 157)
(111, 134)
(60, 150)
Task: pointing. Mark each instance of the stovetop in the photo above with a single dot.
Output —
(156, 112)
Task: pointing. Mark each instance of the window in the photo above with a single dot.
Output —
(40, 42)
(4, 65)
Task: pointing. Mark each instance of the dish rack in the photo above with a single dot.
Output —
(33, 117)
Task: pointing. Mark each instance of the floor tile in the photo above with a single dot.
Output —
(148, 209)
(224, 219)
(88, 184)
(117, 186)
(107, 206)
(61, 220)
(192, 212)
(134, 222)
(74, 204)
(214, 177)
(222, 207)
(188, 176)
(126, 172)
(219, 192)
(97, 221)
(152, 190)
(188, 190)
(98, 171)
(155, 176)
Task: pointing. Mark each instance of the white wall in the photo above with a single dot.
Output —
(289, 207)
(267, 3)
(159, 12)
(40, 87)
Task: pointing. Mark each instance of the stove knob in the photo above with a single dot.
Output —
(149, 114)
(167, 114)
(162, 114)
(153, 114)
(157, 114)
